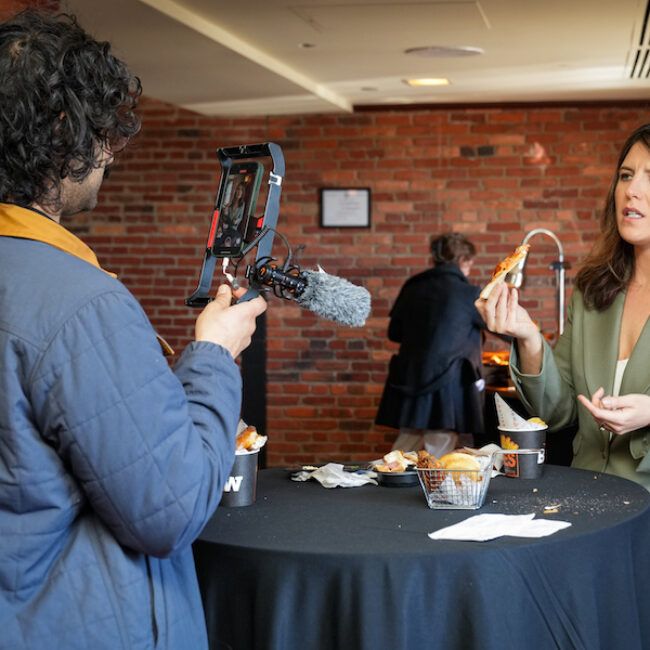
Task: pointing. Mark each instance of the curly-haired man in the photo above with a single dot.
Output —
(110, 463)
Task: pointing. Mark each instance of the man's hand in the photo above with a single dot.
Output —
(230, 326)
(618, 414)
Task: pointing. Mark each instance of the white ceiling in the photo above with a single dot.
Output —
(248, 57)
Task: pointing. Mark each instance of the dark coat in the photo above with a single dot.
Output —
(431, 380)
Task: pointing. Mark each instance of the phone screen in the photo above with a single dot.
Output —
(237, 225)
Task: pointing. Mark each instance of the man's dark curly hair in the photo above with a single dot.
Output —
(63, 97)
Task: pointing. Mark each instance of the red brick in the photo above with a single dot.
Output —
(324, 380)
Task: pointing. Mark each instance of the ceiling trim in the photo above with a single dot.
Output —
(225, 38)
(368, 108)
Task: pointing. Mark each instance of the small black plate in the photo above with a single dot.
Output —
(407, 478)
(350, 467)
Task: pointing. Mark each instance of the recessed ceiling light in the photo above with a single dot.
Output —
(427, 82)
(444, 52)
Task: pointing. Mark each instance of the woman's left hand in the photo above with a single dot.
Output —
(618, 414)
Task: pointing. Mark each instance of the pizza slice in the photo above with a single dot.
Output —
(504, 267)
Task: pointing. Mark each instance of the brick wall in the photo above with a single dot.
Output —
(493, 173)
(9, 7)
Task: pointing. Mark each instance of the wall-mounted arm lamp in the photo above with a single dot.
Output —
(559, 266)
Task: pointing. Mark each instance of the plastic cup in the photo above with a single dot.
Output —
(528, 452)
(241, 486)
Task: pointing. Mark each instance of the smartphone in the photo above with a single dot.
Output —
(236, 224)
(235, 229)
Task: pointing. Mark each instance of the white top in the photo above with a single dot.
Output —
(618, 376)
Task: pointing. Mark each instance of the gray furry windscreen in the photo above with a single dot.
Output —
(335, 298)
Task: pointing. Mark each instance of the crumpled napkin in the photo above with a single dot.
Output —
(333, 475)
(497, 458)
(482, 528)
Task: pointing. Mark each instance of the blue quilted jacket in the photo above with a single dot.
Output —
(110, 463)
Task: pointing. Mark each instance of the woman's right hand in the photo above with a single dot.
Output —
(503, 314)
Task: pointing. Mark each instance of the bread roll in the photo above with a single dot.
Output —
(460, 460)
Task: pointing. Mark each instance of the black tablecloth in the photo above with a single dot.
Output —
(311, 568)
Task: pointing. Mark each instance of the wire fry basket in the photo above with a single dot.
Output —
(462, 489)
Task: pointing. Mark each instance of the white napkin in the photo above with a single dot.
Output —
(509, 419)
(333, 475)
(490, 450)
(481, 528)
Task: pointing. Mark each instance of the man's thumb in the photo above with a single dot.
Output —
(224, 295)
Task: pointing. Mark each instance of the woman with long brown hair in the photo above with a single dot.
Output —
(599, 374)
(234, 211)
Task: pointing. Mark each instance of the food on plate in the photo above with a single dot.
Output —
(250, 440)
(504, 267)
(396, 461)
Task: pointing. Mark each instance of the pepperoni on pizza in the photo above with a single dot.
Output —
(504, 267)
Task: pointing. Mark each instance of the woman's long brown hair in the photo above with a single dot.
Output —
(610, 263)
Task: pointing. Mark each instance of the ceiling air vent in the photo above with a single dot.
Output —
(640, 54)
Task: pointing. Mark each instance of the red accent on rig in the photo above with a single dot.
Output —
(213, 228)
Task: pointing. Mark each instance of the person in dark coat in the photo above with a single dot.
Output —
(434, 389)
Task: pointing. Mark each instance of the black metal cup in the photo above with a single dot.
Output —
(528, 452)
(241, 486)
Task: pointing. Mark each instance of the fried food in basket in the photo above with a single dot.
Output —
(426, 461)
(462, 461)
(456, 480)
(459, 460)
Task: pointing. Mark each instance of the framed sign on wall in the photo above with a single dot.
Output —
(345, 207)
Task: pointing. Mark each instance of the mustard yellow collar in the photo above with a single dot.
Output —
(28, 224)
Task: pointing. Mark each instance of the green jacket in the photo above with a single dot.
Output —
(584, 360)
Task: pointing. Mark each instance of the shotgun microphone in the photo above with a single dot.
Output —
(326, 295)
